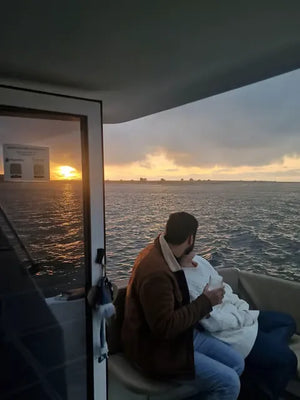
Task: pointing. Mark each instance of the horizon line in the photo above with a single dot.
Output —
(163, 180)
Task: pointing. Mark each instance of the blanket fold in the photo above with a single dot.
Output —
(231, 321)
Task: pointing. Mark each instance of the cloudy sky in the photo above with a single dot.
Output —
(251, 133)
(248, 133)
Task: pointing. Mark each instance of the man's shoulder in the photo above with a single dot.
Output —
(150, 254)
(150, 261)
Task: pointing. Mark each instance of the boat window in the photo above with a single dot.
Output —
(42, 257)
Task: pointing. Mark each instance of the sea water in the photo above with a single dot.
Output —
(254, 226)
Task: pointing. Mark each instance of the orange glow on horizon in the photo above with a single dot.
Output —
(65, 172)
(158, 166)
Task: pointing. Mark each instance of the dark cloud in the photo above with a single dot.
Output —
(254, 125)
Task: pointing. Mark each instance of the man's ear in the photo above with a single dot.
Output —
(190, 240)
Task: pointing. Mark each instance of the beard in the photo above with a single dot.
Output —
(188, 249)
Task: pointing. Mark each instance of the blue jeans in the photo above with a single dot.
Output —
(217, 368)
(271, 363)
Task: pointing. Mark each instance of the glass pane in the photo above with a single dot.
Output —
(42, 314)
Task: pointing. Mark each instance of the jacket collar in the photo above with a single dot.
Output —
(168, 255)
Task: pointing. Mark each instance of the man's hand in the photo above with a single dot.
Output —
(187, 260)
(215, 296)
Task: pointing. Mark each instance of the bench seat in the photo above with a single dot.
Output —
(295, 346)
(135, 382)
(281, 296)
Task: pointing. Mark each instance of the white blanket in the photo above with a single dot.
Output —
(232, 321)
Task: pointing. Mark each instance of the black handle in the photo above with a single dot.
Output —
(100, 255)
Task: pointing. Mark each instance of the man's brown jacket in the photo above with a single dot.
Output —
(157, 332)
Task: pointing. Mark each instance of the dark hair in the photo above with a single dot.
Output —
(180, 226)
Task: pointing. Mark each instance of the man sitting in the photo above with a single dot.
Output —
(158, 333)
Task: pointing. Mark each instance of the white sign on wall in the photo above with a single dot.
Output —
(26, 163)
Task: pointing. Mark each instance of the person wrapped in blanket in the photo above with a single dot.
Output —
(261, 337)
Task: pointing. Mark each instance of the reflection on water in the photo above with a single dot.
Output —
(252, 226)
(48, 219)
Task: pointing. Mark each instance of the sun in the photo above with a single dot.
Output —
(67, 172)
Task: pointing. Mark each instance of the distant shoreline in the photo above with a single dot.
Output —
(161, 181)
(182, 182)
(189, 182)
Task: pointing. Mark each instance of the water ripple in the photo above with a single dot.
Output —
(252, 226)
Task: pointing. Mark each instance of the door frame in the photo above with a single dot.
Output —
(90, 114)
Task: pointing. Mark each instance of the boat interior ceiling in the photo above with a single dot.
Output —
(142, 57)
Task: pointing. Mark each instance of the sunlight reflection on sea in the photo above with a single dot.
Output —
(253, 226)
